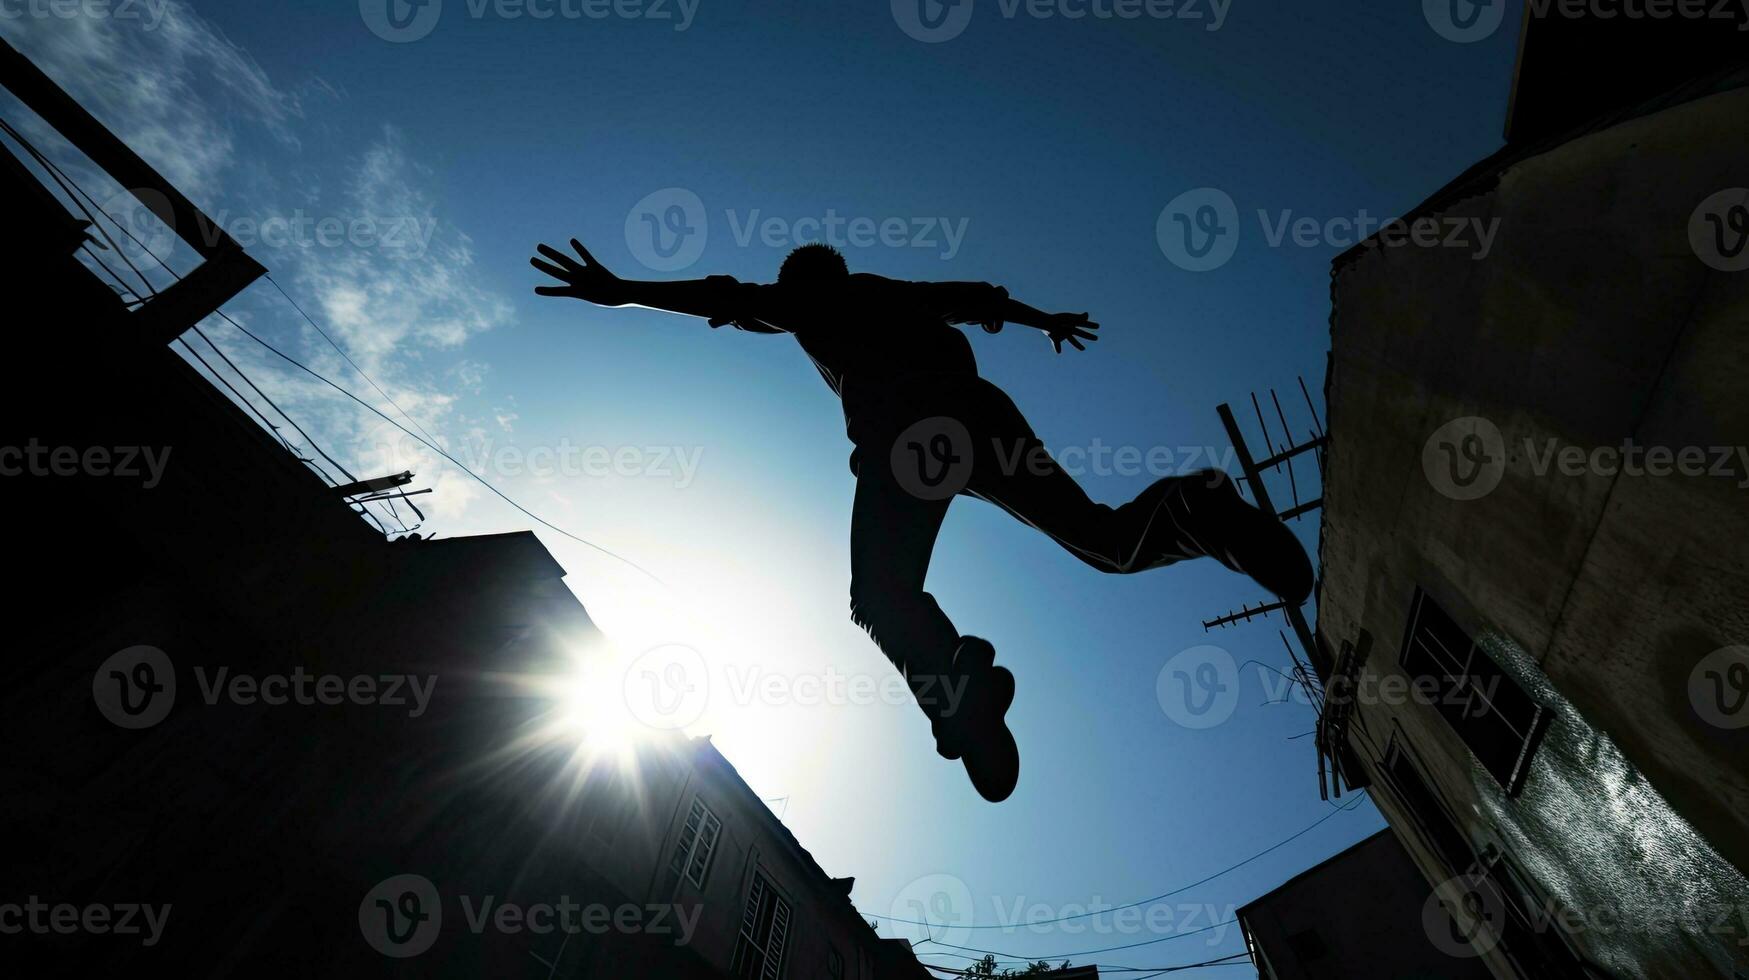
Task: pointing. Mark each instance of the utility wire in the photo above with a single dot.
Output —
(347, 473)
(252, 386)
(1146, 901)
(122, 290)
(1017, 958)
(393, 508)
(1235, 959)
(232, 389)
(71, 188)
(1232, 959)
(74, 193)
(426, 438)
(1008, 963)
(531, 515)
(251, 406)
(348, 357)
(1089, 952)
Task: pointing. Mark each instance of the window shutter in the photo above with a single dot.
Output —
(702, 850)
(688, 834)
(755, 897)
(774, 943)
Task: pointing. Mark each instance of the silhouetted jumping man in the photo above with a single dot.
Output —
(926, 427)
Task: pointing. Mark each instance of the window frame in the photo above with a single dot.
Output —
(781, 923)
(1537, 952)
(693, 833)
(1465, 677)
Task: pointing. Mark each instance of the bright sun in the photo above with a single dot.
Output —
(585, 703)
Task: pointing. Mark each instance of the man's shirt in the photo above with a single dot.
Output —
(875, 340)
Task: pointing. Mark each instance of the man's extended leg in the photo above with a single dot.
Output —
(1197, 515)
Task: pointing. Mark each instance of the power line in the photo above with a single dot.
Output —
(1146, 901)
(1017, 958)
(426, 439)
(1090, 952)
(74, 192)
(264, 421)
(1245, 961)
(531, 515)
(342, 352)
(233, 390)
(1009, 962)
(1233, 959)
(71, 188)
(115, 283)
(393, 509)
(300, 429)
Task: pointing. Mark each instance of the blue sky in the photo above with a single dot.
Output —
(1034, 152)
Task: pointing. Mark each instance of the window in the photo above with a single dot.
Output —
(764, 928)
(1494, 716)
(1490, 877)
(1424, 804)
(698, 841)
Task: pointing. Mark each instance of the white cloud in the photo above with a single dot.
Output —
(203, 112)
(168, 87)
(401, 297)
(471, 375)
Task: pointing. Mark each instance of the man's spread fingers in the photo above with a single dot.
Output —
(560, 257)
(550, 269)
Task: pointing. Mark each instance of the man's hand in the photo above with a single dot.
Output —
(586, 280)
(1071, 327)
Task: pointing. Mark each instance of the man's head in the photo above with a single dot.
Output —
(814, 264)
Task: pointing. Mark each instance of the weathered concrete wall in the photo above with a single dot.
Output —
(1591, 322)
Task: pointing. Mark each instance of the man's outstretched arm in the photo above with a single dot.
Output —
(718, 299)
(991, 307)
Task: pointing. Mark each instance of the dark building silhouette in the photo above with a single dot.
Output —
(1531, 630)
(236, 703)
(1356, 916)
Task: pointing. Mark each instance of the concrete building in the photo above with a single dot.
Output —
(242, 715)
(1535, 542)
(1356, 916)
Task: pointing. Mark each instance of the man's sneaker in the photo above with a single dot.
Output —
(1208, 508)
(976, 731)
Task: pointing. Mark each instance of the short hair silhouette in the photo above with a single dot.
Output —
(813, 262)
